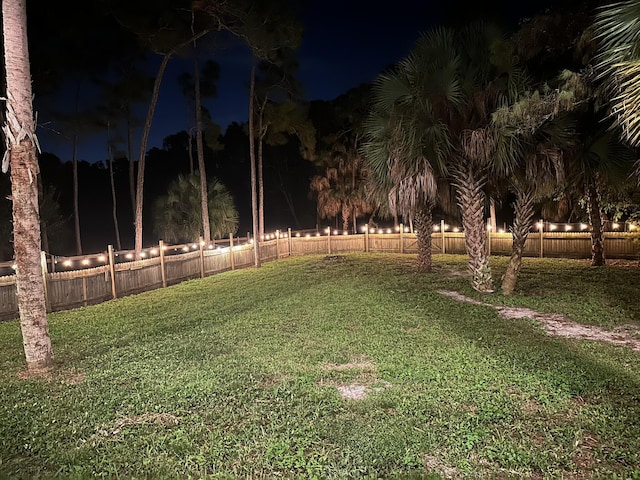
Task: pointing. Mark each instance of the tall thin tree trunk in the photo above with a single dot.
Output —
(44, 235)
(522, 222)
(132, 173)
(143, 153)
(262, 132)
(252, 156)
(113, 190)
(469, 182)
(204, 199)
(76, 206)
(20, 129)
(74, 162)
(595, 218)
(424, 229)
(260, 188)
(190, 150)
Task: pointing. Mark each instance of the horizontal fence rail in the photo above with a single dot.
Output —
(72, 282)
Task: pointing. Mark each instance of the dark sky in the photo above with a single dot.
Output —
(345, 44)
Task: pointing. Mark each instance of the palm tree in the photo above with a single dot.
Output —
(178, 215)
(617, 62)
(432, 116)
(340, 190)
(20, 156)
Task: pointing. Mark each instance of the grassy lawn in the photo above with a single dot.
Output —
(240, 376)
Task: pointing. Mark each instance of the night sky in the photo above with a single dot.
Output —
(344, 44)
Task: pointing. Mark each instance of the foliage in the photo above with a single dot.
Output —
(178, 214)
(235, 376)
(618, 61)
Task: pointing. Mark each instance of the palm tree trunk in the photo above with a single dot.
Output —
(595, 218)
(424, 229)
(252, 155)
(469, 182)
(522, 222)
(20, 128)
(143, 153)
(206, 229)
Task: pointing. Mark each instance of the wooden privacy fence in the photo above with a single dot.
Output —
(118, 274)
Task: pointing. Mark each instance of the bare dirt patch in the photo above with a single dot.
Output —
(434, 464)
(555, 324)
(67, 377)
(365, 382)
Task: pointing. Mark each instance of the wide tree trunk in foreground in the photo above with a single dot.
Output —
(21, 144)
(424, 230)
(522, 222)
(469, 182)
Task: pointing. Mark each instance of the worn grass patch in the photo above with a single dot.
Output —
(346, 367)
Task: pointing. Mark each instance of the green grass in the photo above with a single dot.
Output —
(235, 376)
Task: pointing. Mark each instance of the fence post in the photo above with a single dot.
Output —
(112, 271)
(401, 238)
(43, 264)
(163, 272)
(541, 227)
(329, 240)
(277, 244)
(366, 238)
(232, 260)
(290, 240)
(201, 244)
(442, 236)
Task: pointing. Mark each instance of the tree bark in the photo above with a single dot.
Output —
(76, 206)
(114, 211)
(522, 222)
(424, 228)
(469, 182)
(595, 218)
(204, 198)
(19, 131)
(252, 156)
(132, 173)
(143, 153)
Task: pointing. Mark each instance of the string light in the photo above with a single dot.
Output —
(101, 258)
(583, 226)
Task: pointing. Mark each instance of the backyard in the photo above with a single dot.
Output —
(343, 366)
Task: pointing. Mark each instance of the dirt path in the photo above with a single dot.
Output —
(555, 324)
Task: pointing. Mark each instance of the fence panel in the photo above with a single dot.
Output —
(8, 298)
(216, 261)
(138, 276)
(346, 243)
(179, 268)
(243, 256)
(78, 287)
(621, 245)
(309, 245)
